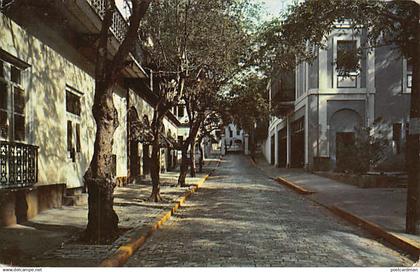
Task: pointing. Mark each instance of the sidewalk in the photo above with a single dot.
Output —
(49, 239)
(384, 207)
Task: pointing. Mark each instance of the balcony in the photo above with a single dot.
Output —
(76, 23)
(18, 165)
(119, 25)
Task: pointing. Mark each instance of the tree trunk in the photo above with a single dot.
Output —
(190, 141)
(413, 144)
(192, 159)
(201, 159)
(183, 169)
(155, 171)
(102, 219)
(252, 144)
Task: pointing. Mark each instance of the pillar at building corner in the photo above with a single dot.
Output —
(246, 148)
(223, 145)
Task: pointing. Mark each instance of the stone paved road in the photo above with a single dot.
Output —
(242, 218)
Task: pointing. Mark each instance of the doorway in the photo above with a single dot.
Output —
(273, 150)
(343, 141)
(298, 144)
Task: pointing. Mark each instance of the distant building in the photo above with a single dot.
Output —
(233, 139)
(321, 110)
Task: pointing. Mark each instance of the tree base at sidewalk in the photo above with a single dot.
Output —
(155, 197)
(103, 221)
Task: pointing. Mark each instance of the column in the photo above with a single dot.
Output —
(288, 142)
(246, 148)
(276, 147)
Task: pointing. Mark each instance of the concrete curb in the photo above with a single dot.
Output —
(403, 244)
(293, 186)
(120, 257)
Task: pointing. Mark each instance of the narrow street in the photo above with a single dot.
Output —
(242, 218)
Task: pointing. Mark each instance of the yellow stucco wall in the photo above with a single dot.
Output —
(45, 83)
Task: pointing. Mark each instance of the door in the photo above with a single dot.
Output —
(282, 151)
(146, 159)
(134, 159)
(343, 141)
(298, 144)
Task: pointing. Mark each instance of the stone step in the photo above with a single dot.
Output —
(74, 191)
(75, 200)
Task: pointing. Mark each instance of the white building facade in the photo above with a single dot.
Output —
(322, 109)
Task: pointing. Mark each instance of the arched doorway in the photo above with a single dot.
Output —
(169, 160)
(133, 148)
(343, 126)
(146, 150)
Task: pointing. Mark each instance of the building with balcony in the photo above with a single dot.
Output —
(320, 108)
(47, 130)
(233, 139)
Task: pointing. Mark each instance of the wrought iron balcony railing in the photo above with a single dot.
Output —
(119, 25)
(18, 165)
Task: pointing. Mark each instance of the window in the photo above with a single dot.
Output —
(407, 75)
(12, 103)
(238, 132)
(1, 69)
(69, 136)
(19, 113)
(347, 64)
(409, 72)
(230, 133)
(4, 120)
(15, 75)
(73, 103)
(73, 109)
(78, 147)
(396, 136)
(181, 111)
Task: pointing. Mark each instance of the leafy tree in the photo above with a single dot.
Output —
(249, 107)
(389, 23)
(200, 42)
(165, 46)
(212, 122)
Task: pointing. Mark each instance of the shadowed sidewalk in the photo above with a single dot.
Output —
(49, 239)
(384, 207)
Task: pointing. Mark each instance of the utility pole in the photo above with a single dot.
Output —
(413, 141)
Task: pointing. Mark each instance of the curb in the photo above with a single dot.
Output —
(404, 244)
(293, 186)
(401, 243)
(120, 257)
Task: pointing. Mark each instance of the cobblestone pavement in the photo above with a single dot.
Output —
(242, 218)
